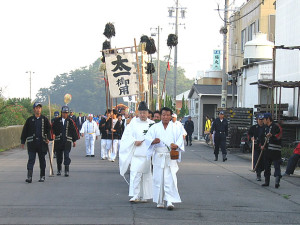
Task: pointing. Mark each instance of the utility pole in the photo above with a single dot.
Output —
(175, 55)
(225, 57)
(29, 82)
(171, 10)
(158, 66)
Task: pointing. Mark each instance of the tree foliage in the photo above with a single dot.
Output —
(184, 109)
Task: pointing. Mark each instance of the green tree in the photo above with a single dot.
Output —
(184, 109)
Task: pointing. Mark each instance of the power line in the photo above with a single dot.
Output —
(262, 2)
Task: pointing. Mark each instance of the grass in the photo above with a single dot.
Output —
(286, 196)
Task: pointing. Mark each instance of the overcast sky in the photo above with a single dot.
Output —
(50, 37)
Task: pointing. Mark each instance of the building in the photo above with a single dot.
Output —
(252, 17)
(204, 100)
(287, 67)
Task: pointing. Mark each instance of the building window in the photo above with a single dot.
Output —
(243, 40)
(251, 31)
(196, 107)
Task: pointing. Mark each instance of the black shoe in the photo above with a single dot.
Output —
(216, 158)
(29, 176)
(66, 171)
(224, 158)
(265, 185)
(92, 155)
(58, 173)
(277, 181)
(190, 144)
(42, 179)
(87, 156)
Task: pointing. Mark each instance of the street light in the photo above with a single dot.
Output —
(30, 81)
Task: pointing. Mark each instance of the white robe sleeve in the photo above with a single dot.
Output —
(97, 131)
(150, 136)
(126, 150)
(82, 128)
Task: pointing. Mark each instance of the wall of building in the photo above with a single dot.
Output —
(288, 61)
(260, 18)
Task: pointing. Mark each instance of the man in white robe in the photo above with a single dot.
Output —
(162, 137)
(179, 124)
(133, 152)
(90, 131)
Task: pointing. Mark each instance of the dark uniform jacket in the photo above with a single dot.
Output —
(189, 127)
(102, 128)
(258, 132)
(65, 133)
(219, 127)
(119, 127)
(108, 126)
(273, 149)
(79, 123)
(36, 131)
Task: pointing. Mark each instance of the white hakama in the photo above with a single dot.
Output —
(165, 169)
(90, 131)
(140, 185)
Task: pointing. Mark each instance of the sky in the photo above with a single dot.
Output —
(51, 37)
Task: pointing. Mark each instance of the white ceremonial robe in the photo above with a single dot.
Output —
(90, 131)
(164, 169)
(140, 185)
(179, 124)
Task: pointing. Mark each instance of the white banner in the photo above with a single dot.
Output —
(121, 75)
(130, 99)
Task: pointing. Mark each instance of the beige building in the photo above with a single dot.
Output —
(252, 17)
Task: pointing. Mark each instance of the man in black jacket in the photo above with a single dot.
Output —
(257, 134)
(64, 133)
(220, 126)
(102, 125)
(189, 128)
(272, 151)
(79, 121)
(36, 132)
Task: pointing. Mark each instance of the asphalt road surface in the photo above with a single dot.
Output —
(212, 193)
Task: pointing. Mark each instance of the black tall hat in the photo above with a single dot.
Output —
(143, 106)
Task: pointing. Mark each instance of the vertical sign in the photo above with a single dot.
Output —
(217, 60)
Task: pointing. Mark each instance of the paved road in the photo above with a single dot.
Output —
(212, 193)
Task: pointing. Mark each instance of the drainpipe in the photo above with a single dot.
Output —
(199, 102)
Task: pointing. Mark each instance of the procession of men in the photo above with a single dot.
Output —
(149, 150)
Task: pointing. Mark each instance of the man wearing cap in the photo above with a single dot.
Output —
(64, 132)
(257, 134)
(72, 116)
(133, 152)
(56, 115)
(36, 132)
(91, 132)
(189, 127)
(220, 126)
(272, 151)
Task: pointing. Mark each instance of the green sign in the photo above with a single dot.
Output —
(217, 60)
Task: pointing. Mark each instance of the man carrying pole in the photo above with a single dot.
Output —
(272, 150)
(257, 135)
(64, 133)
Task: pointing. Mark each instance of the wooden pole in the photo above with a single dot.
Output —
(52, 149)
(279, 103)
(252, 161)
(138, 67)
